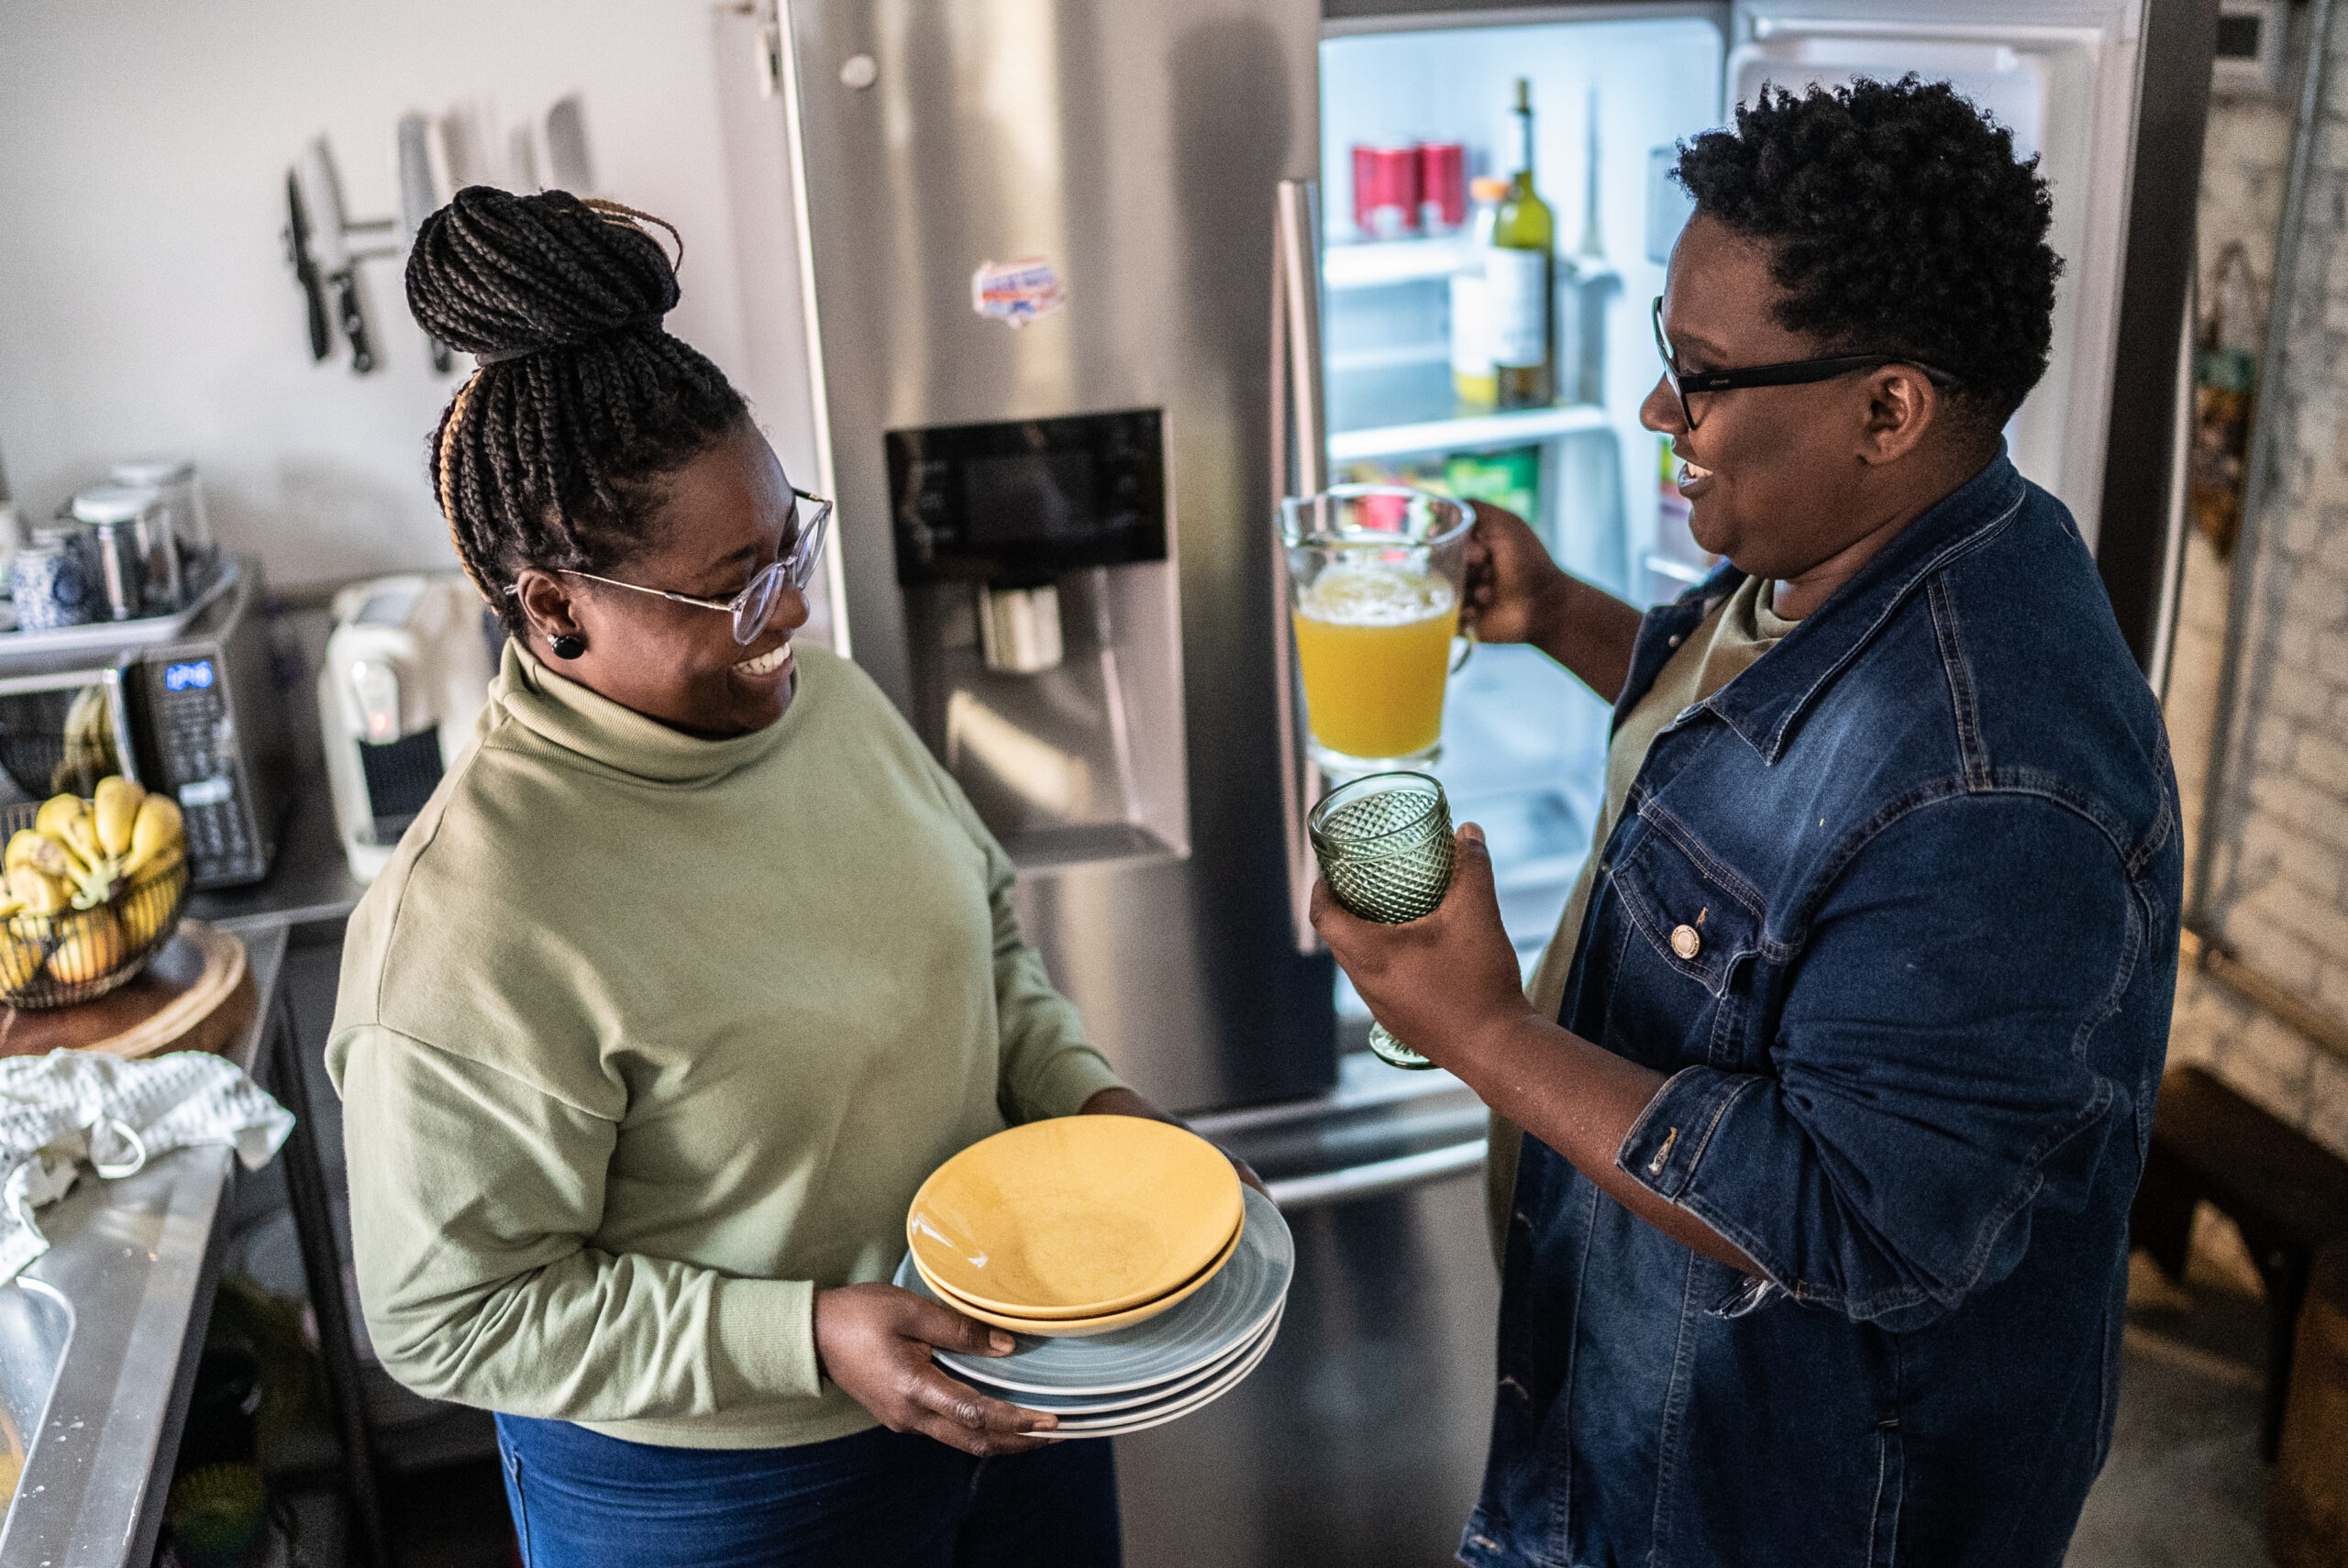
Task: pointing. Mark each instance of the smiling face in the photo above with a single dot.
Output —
(1786, 480)
(725, 515)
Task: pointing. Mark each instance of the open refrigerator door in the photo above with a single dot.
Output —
(1412, 296)
(2063, 83)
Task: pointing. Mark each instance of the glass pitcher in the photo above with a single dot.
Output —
(1376, 577)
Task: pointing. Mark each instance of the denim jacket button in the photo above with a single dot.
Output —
(1685, 942)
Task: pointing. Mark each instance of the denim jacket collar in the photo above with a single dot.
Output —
(1765, 704)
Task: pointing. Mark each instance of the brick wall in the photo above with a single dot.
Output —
(2279, 883)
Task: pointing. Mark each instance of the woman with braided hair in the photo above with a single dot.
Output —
(692, 969)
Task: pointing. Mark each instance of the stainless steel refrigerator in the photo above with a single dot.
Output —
(1080, 293)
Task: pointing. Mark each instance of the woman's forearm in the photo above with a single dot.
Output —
(1581, 1102)
(1589, 632)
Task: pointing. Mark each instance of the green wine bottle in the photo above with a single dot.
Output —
(1520, 279)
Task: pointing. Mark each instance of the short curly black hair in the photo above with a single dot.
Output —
(1901, 220)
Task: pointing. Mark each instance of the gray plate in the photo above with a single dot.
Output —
(1117, 1423)
(1086, 1405)
(1227, 1311)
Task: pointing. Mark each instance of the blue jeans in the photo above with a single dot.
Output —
(880, 1499)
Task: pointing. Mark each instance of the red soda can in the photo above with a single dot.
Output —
(1391, 175)
(1442, 184)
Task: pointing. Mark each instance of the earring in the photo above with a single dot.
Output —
(567, 645)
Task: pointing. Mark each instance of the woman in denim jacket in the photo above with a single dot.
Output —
(1837, 1082)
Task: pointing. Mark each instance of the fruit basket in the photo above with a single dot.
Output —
(91, 891)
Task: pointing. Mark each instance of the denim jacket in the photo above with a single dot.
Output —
(1896, 913)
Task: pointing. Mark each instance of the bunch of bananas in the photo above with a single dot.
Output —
(67, 880)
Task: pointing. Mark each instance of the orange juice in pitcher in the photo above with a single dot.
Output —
(1375, 575)
(1374, 642)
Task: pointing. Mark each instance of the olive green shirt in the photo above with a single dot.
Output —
(1739, 630)
(643, 1040)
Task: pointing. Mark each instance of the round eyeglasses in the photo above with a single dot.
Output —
(1785, 374)
(755, 604)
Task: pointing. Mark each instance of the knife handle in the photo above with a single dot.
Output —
(354, 323)
(321, 327)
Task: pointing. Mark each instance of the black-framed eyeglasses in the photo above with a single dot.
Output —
(751, 607)
(1787, 373)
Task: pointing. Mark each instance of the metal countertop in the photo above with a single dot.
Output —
(135, 1260)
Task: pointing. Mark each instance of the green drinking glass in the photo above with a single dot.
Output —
(1385, 847)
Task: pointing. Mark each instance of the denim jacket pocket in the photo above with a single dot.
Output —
(1693, 922)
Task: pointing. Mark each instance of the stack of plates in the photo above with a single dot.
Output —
(1139, 1279)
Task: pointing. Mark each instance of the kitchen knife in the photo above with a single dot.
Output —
(522, 159)
(10, 535)
(417, 199)
(321, 195)
(305, 268)
(567, 156)
(464, 145)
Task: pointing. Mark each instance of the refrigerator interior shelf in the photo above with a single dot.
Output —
(1516, 427)
(1375, 264)
(1382, 263)
(1391, 357)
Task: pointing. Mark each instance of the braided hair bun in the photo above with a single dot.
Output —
(550, 455)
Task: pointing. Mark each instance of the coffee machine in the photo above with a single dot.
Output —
(1036, 562)
(406, 673)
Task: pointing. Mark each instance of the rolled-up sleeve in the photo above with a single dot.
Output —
(1931, 1082)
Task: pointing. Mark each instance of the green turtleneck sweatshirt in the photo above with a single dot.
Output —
(643, 1040)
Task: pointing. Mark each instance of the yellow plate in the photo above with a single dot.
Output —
(1076, 1328)
(1077, 1216)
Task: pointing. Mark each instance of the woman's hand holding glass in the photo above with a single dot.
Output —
(1442, 981)
(875, 1341)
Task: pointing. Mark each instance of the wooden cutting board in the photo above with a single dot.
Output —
(197, 996)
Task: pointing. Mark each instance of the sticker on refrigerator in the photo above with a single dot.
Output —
(1017, 291)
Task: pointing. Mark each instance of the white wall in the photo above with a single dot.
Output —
(145, 303)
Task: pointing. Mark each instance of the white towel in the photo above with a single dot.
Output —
(69, 1106)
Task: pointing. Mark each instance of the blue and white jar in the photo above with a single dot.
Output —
(50, 582)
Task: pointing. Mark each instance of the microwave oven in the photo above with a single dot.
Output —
(197, 717)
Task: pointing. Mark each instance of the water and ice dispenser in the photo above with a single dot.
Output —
(1038, 564)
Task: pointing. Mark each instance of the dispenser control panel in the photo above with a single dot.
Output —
(1018, 503)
